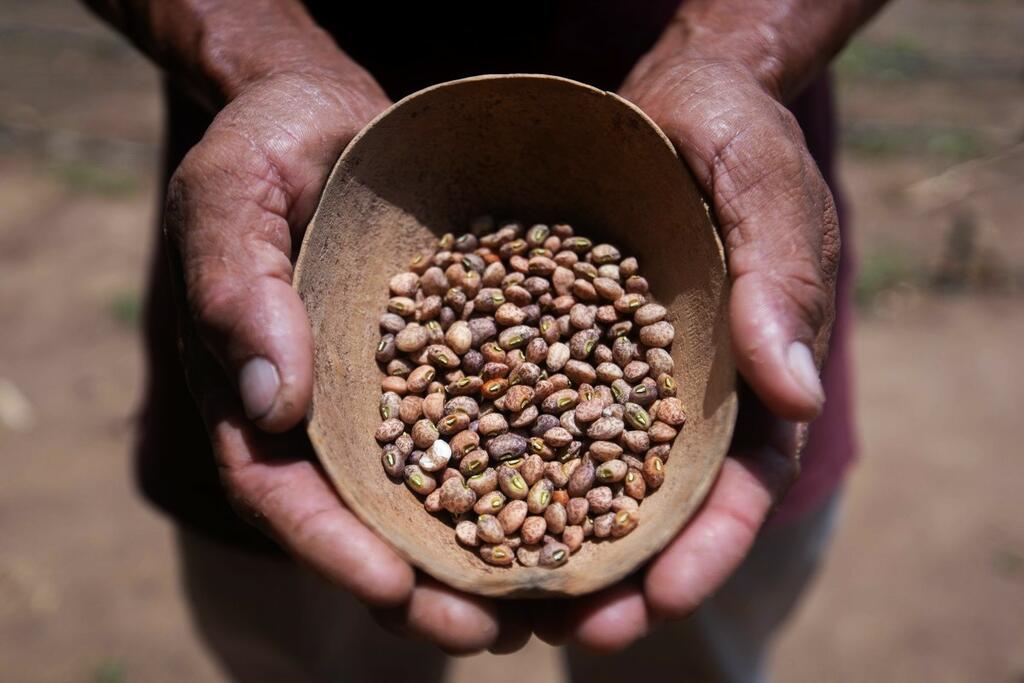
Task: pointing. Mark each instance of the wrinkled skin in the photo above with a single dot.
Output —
(236, 209)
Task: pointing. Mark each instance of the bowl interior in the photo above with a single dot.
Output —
(536, 148)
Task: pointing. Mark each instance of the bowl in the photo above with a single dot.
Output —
(537, 148)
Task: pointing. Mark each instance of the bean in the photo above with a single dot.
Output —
(497, 554)
(418, 480)
(512, 516)
(389, 430)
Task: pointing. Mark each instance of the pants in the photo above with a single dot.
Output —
(267, 619)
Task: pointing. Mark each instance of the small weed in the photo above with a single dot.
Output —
(1007, 563)
(126, 308)
(883, 271)
(110, 671)
(894, 61)
(86, 178)
(889, 140)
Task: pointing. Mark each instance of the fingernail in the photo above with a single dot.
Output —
(801, 365)
(258, 384)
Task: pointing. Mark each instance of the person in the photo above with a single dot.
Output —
(261, 98)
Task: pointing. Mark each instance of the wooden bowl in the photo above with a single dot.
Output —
(537, 148)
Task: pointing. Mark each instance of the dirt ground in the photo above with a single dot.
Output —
(926, 577)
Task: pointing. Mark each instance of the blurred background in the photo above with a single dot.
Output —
(926, 577)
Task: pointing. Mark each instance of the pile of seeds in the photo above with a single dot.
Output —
(529, 389)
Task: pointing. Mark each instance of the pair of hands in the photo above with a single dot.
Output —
(236, 210)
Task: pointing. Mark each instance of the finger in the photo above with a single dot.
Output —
(458, 623)
(715, 542)
(779, 225)
(225, 214)
(610, 620)
(273, 484)
(514, 632)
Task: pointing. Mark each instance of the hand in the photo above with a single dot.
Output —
(779, 226)
(236, 210)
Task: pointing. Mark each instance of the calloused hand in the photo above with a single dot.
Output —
(236, 210)
(779, 225)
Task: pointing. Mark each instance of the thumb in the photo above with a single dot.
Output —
(225, 218)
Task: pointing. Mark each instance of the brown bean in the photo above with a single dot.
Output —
(456, 497)
(512, 516)
(533, 530)
(582, 479)
(483, 483)
(389, 430)
(662, 433)
(572, 537)
(654, 472)
(465, 533)
(600, 500)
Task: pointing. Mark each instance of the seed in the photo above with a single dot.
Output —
(554, 555)
(611, 472)
(512, 483)
(494, 388)
(474, 462)
(636, 441)
(572, 537)
(605, 253)
(648, 314)
(483, 483)
(393, 460)
(489, 529)
(465, 533)
(436, 457)
(634, 485)
(662, 433)
(581, 479)
(456, 497)
(579, 245)
(671, 412)
(607, 288)
(519, 397)
(603, 451)
(419, 481)
(512, 516)
(654, 472)
(401, 305)
(576, 510)
(657, 335)
(637, 417)
(533, 530)
(560, 401)
(506, 446)
(489, 503)
(492, 424)
(600, 500)
(555, 516)
(624, 522)
(397, 385)
(410, 409)
(528, 555)
(603, 525)
(424, 433)
(605, 429)
(539, 496)
(432, 503)
(389, 430)
(500, 555)
(390, 405)
(386, 349)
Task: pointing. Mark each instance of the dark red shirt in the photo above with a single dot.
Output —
(407, 48)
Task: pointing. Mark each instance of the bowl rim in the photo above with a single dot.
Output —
(728, 409)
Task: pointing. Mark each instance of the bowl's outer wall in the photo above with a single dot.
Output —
(541, 149)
